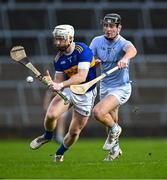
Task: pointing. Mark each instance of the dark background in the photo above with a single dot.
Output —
(30, 23)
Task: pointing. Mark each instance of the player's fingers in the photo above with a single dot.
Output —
(122, 64)
(119, 65)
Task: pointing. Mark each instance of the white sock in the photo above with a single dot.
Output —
(114, 128)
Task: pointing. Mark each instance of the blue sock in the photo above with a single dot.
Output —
(48, 134)
(61, 150)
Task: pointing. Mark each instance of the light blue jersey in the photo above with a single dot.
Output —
(110, 52)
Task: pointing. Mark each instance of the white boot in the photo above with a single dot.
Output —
(38, 142)
(114, 153)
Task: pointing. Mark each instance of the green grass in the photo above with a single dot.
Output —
(142, 158)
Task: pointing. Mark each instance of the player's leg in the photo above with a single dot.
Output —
(115, 150)
(78, 122)
(114, 131)
(112, 141)
(122, 94)
(60, 129)
(106, 111)
(55, 109)
(102, 110)
(82, 109)
(114, 114)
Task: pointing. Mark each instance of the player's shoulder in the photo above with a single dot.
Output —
(80, 47)
(123, 41)
(58, 56)
(121, 38)
(98, 38)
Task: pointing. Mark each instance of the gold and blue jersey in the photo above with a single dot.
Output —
(68, 64)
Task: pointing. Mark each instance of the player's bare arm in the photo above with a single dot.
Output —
(58, 78)
(130, 52)
(77, 78)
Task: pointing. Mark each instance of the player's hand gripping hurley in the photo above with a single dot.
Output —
(18, 54)
(82, 88)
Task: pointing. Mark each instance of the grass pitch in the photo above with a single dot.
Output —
(142, 158)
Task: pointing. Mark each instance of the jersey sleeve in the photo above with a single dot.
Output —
(86, 55)
(126, 44)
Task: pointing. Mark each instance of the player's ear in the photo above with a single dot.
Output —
(70, 39)
(103, 30)
(119, 27)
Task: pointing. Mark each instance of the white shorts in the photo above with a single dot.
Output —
(83, 104)
(122, 93)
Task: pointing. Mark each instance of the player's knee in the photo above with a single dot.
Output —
(98, 113)
(51, 115)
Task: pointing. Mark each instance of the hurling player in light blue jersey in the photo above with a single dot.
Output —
(74, 64)
(111, 50)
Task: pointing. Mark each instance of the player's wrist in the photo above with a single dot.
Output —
(126, 59)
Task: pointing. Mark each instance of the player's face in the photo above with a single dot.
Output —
(61, 43)
(111, 30)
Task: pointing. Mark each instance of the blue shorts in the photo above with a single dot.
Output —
(122, 93)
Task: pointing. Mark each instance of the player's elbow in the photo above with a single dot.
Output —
(135, 51)
(131, 51)
(82, 79)
(82, 75)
